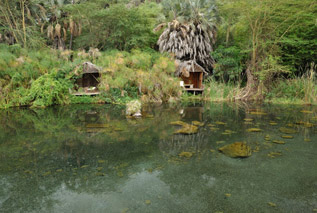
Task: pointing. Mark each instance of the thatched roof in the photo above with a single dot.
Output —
(185, 67)
(89, 67)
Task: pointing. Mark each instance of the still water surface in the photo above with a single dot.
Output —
(90, 158)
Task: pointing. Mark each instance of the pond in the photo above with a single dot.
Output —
(91, 158)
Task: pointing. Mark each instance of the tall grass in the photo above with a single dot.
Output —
(300, 90)
(218, 91)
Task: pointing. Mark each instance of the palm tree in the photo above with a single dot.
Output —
(191, 32)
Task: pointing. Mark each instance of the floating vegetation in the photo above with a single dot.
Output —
(211, 125)
(84, 166)
(278, 142)
(212, 150)
(101, 161)
(197, 123)
(273, 123)
(254, 130)
(267, 137)
(248, 119)
(287, 136)
(178, 123)
(185, 154)
(187, 130)
(307, 140)
(228, 195)
(220, 123)
(257, 149)
(220, 142)
(287, 130)
(271, 204)
(274, 154)
(307, 112)
(237, 149)
(47, 173)
(258, 113)
(59, 170)
(148, 202)
(99, 168)
(97, 125)
(305, 124)
(228, 131)
(100, 174)
(214, 129)
(248, 123)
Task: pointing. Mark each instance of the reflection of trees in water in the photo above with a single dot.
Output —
(37, 141)
(46, 148)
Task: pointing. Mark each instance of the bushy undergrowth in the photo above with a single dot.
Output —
(44, 77)
(219, 91)
(299, 90)
(139, 74)
(32, 78)
(282, 91)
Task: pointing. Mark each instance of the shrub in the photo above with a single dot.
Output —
(47, 91)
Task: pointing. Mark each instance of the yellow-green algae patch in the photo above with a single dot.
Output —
(278, 142)
(307, 112)
(258, 113)
(248, 119)
(287, 136)
(287, 130)
(187, 130)
(220, 123)
(254, 130)
(185, 154)
(271, 204)
(178, 123)
(274, 154)
(236, 150)
(197, 123)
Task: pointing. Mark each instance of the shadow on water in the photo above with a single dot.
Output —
(90, 158)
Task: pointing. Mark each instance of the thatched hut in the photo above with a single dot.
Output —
(192, 75)
(88, 83)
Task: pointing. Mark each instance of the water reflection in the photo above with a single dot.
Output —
(90, 158)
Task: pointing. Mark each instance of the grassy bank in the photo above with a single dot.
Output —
(45, 77)
(300, 90)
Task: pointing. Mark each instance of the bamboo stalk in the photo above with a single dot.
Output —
(10, 24)
(23, 22)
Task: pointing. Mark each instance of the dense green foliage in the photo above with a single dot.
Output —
(259, 47)
(45, 77)
(116, 27)
(228, 67)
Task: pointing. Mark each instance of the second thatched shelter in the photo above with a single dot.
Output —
(192, 75)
